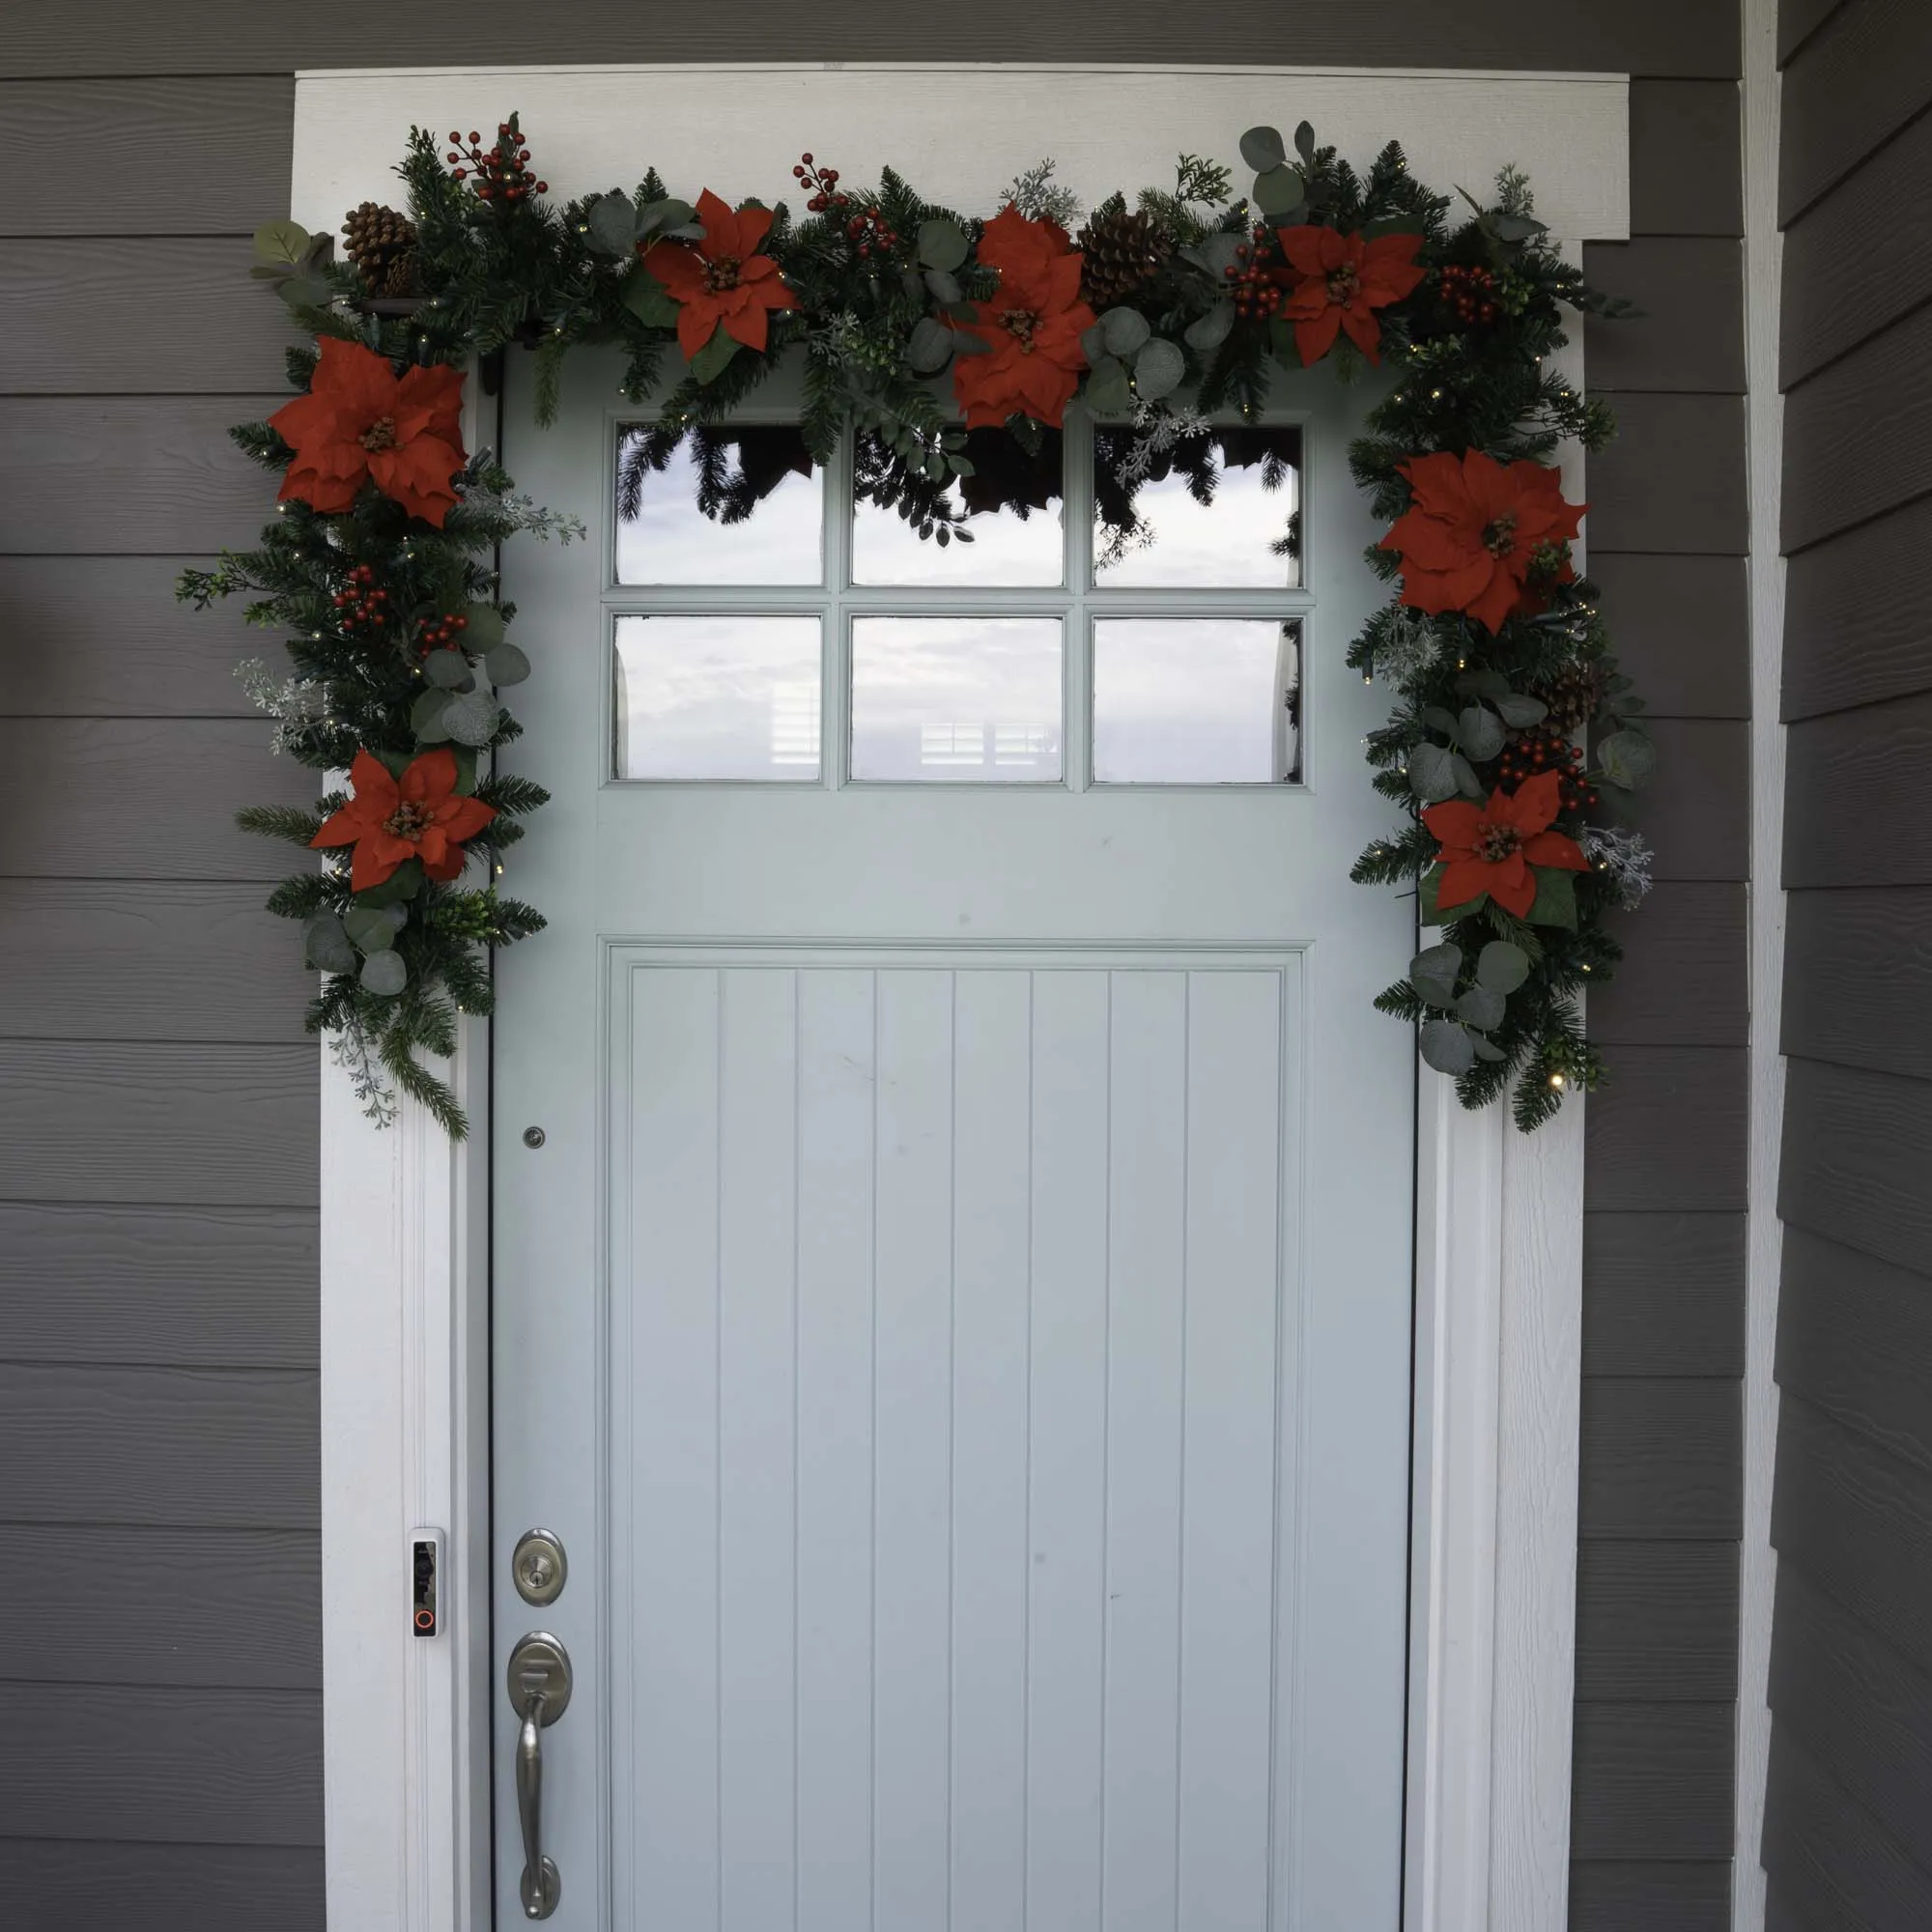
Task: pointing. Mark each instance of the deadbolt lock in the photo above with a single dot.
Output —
(538, 1566)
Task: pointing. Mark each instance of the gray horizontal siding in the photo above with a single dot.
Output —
(78, 1885)
(1857, 624)
(1861, 77)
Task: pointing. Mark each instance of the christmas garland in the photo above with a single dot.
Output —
(1157, 315)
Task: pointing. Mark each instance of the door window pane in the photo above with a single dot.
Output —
(1248, 535)
(1195, 701)
(957, 699)
(718, 697)
(1012, 505)
(771, 509)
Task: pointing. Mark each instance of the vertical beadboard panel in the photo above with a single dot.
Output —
(835, 1118)
(992, 1193)
(672, 1413)
(1146, 1241)
(1067, 1425)
(913, 1463)
(757, 1225)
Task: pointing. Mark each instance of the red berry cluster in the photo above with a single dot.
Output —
(870, 234)
(823, 184)
(1257, 293)
(362, 601)
(1541, 748)
(444, 633)
(502, 172)
(1470, 293)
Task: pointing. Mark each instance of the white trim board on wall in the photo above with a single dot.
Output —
(1499, 1217)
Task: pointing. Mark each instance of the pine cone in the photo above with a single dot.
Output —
(404, 275)
(1121, 252)
(1575, 695)
(377, 237)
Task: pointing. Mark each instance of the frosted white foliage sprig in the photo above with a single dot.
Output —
(1157, 429)
(1407, 649)
(351, 1051)
(1040, 198)
(1624, 859)
(295, 703)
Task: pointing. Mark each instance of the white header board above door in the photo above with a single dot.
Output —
(960, 134)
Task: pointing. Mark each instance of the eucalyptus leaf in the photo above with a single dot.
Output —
(941, 243)
(1434, 973)
(611, 221)
(1446, 1045)
(1431, 773)
(1517, 227)
(374, 928)
(1521, 712)
(448, 670)
(1627, 758)
(1439, 719)
(483, 627)
(1486, 1049)
(506, 665)
(1467, 783)
(668, 216)
(1555, 897)
(1093, 343)
(708, 364)
(1262, 148)
(1107, 390)
(426, 717)
(384, 974)
(1279, 193)
(1122, 331)
(403, 883)
(300, 291)
(326, 943)
(1502, 967)
(649, 299)
(929, 347)
(1158, 369)
(1207, 333)
(1216, 254)
(1482, 1007)
(1484, 683)
(471, 718)
(1481, 731)
(281, 244)
(1304, 142)
(943, 286)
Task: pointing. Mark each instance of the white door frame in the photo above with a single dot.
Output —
(405, 1290)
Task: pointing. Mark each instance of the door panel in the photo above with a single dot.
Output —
(958, 1315)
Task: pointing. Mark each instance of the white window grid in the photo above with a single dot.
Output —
(1078, 603)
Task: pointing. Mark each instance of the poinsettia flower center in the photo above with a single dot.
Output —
(1344, 283)
(409, 820)
(1500, 537)
(1496, 843)
(1020, 323)
(722, 272)
(381, 434)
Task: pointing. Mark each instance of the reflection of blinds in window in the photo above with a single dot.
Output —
(951, 745)
(795, 724)
(1021, 744)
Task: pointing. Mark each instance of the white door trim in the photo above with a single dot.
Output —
(404, 1335)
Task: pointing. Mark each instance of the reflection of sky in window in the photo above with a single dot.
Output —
(672, 541)
(718, 697)
(956, 698)
(1225, 543)
(1193, 701)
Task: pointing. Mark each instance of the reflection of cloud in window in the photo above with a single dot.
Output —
(1195, 701)
(672, 541)
(718, 697)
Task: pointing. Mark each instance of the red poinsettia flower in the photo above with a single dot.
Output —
(1030, 325)
(416, 816)
(1489, 848)
(1340, 281)
(722, 281)
(360, 422)
(1472, 535)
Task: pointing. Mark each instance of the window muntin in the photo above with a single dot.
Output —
(903, 696)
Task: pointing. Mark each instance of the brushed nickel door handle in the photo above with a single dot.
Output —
(540, 1681)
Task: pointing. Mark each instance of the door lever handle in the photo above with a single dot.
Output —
(540, 1681)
